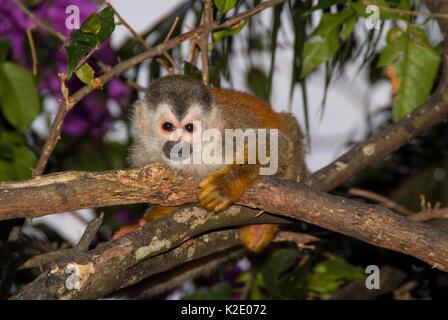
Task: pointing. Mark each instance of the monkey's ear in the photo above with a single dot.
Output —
(141, 115)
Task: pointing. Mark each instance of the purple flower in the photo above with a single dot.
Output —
(124, 218)
(14, 22)
(91, 113)
(119, 91)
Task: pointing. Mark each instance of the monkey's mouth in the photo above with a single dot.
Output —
(177, 152)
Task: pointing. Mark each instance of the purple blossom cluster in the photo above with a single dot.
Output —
(90, 115)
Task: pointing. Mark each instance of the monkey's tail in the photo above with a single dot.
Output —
(296, 151)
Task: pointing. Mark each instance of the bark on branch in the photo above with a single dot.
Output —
(155, 184)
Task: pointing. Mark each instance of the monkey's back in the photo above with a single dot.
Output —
(255, 108)
(292, 164)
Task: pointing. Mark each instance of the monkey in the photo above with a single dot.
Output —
(178, 109)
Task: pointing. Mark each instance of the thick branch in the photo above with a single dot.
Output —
(122, 262)
(372, 224)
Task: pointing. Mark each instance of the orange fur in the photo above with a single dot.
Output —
(222, 188)
(153, 213)
(257, 237)
(240, 102)
(156, 212)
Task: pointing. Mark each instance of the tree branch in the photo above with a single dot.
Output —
(126, 260)
(154, 184)
(208, 18)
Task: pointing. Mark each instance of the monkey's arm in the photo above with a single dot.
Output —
(222, 188)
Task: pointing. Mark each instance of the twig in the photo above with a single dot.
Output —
(407, 12)
(404, 291)
(106, 68)
(170, 59)
(120, 19)
(426, 214)
(42, 25)
(138, 37)
(84, 59)
(43, 259)
(194, 52)
(33, 47)
(170, 33)
(381, 199)
(431, 214)
(89, 234)
(208, 17)
(55, 134)
(300, 239)
(245, 292)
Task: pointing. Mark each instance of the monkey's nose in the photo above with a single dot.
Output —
(177, 151)
(176, 135)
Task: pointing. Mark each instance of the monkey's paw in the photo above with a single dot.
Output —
(219, 191)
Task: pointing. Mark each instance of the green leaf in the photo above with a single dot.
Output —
(278, 262)
(323, 4)
(94, 31)
(5, 47)
(107, 24)
(20, 168)
(331, 22)
(16, 161)
(213, 77)
(92, 24)
(86, 74)
(6, 152)
(331, 274)
(221, 291)
(257, 82)
(20, 101)
(191, 70)
(225, 5)
(221, 34)
(349, 25)
(83, 38)
(80, 43)
(31, 3)
(318, 52)
(213, 73)
(412, 65)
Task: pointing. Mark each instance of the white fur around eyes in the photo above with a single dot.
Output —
(148, 144)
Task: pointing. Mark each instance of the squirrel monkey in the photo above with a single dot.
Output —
(170, 125)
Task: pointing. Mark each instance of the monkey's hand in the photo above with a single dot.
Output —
(222, 188)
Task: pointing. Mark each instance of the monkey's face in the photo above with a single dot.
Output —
(163, 136)
(180, 135)
(170, 123)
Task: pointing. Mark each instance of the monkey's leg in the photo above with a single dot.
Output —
(153, 213)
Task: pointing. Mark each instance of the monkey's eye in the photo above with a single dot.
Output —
(168, 126)
(189, 127)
